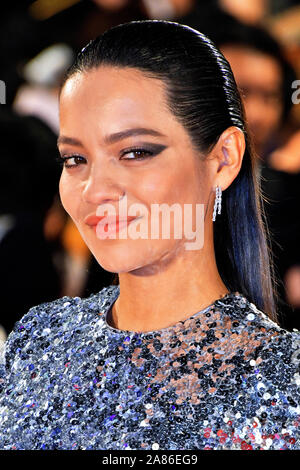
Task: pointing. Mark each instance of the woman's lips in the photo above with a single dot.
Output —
(110, 225)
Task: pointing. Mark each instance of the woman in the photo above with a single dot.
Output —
(185, 353)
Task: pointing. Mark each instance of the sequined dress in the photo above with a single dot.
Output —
(225, 378)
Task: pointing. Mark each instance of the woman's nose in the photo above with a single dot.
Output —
(101, 188)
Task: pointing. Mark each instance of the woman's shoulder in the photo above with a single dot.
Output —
(47, 321)
(241, 311)
(56, 312)
(269, 346)
(265, 356)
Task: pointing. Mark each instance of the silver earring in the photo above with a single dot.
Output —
(218, 202)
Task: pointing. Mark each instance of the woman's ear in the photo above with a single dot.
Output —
(229, 150)
(226, 158)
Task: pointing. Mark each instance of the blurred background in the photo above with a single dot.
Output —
(42, 255)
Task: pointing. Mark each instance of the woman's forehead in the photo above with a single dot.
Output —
(107, 79)
(121, 98)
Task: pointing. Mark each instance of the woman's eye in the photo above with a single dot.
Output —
(131, 154)
(76, 158)
(142, 154)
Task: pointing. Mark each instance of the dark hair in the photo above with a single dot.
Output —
(201, 92)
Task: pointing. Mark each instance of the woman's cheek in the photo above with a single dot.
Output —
(61, 191)
(155, 189)
(65, 192)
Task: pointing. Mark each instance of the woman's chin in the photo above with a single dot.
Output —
(136, 257)
(117, 267)
(119, 262)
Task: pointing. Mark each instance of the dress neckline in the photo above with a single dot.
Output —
(180, 325)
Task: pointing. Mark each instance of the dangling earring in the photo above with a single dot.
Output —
(218, 202)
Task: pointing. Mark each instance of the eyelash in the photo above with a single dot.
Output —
(62, 159)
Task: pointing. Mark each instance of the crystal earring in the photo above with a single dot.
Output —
(218, 202)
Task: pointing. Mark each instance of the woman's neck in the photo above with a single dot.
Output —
(172, 290)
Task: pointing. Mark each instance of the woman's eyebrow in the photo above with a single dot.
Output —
(112, 138)
(63, 139)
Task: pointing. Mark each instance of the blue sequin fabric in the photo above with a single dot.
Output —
(225, 378)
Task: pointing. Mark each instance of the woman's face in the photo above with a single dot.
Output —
(96, 106)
